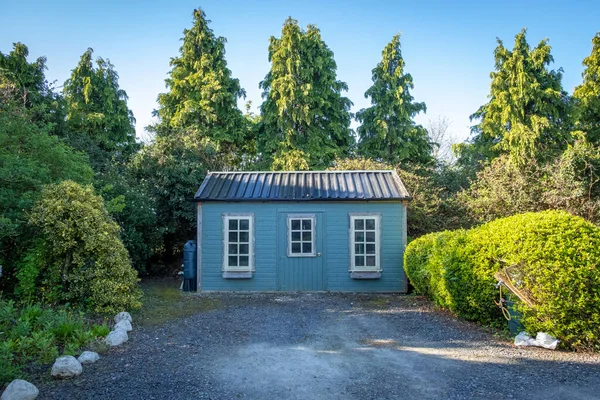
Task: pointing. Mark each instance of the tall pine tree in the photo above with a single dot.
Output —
(388, 132)
(200, 128)
(306, 120)
(202, 97)
(587, 95)
(98, 119)
(527, 113)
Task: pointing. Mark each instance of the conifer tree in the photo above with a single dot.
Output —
(388, 132)
(587, 95)
(202, 97)
(527, 113)
(306, 120)
(98, 119)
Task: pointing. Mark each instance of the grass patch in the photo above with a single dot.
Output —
(163, 302)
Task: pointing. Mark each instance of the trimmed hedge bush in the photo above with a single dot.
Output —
(556, 253)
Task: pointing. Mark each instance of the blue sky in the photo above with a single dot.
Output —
(447, 45)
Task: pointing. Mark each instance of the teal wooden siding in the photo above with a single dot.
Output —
(332, 239)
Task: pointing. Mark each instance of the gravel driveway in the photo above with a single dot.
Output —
(330, 346)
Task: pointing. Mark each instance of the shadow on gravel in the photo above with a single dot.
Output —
(320, 346)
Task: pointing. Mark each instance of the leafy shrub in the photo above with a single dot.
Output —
(36, 334)
(81, 259)
(555, 253)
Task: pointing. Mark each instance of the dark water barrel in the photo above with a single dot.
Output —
(189, 266)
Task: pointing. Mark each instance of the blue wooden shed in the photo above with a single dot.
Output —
(302, 231)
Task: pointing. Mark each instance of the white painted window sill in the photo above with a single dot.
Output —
(365, 275)
(237, 275)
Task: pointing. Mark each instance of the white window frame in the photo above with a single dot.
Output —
(313, 224)
(377, 267)
(251, 239)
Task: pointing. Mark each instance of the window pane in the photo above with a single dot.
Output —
(307, 248)
(233, 261)
(359, 261)
(243, 261)
(306, 224)
(359, 224)
(295, 248)
(233, 249)
(295, 224)
(296, 236)
(233, 224)
(359, 249)
(371, 248)
(307, 236)
(359, 236)
(244, 224)
(371, 237)
(244, 236)
(233, 237)
(370, 261)
(244, 249)
(370, 224)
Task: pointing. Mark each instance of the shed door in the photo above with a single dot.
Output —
(300, 251)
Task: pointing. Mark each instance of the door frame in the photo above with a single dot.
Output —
(282, 248)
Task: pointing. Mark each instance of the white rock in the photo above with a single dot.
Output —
(121, 316)
(116, 338)
(123, 325)
(88, 357)
(20, 390)
(66, 367)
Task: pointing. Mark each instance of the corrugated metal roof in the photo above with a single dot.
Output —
(302, 186)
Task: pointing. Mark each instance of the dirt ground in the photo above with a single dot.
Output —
(322, 346)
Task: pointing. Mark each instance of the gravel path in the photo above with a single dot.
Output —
(330, 346)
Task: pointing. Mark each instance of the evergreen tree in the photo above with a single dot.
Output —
(202, 97)
(98, 119)
(23, 85)
(200, 128)
(306, 120)
(527, 114)
(388, 131)
(587, 95)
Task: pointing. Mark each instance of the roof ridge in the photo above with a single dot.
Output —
(302, 172)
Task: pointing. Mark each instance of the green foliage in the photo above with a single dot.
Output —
(587, 95)
(554, 254)
(202, 98)
(388, 131)
(128, 201)
(569, 182)
(433, 206)
(173, 167)
(37, 334)
(29, 159)
(98, 119)
(305, 118)
(84, 262)
(527, 112)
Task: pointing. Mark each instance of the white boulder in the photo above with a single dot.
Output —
(66, 367)
(88, 357)
(116, 337)
(20, 390)
(123, 315)
(123, 325)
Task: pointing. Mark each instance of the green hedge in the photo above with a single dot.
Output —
(557, 254)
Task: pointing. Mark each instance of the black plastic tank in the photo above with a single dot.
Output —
(190, 276)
